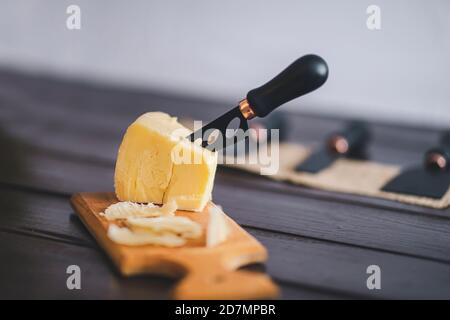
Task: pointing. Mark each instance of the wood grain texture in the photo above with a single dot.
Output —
(36, 269)
(99, 113)
(208, 273)
(36, 226)
(339, 268)
(62, 137)
(313, 268)
(300, 211)
(358, 225)
(94, 113)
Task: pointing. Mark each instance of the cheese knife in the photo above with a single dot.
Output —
(432, 179)
(304, 75)
(351, 142)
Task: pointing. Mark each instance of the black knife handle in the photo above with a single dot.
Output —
(304, 75)
(438, 158)
(353, 139)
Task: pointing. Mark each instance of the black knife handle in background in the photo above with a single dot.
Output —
(438, 158)
(276, 120)
(445, 139)
(353, 140)
(304, 75)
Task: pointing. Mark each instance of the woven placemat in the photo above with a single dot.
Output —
(344, 175)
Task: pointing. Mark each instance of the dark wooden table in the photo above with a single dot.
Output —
(59, 137)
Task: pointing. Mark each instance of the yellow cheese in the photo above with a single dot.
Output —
(192, 181)
(152, 164)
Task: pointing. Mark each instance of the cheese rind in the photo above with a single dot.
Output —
(148, 168)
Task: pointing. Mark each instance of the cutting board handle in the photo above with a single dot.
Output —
(224, 284)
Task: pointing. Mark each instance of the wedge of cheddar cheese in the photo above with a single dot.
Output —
(157, 164)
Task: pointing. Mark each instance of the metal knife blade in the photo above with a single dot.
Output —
(351, 142)
(220, 124)
(317, 161)
(431, 180)
(420, 182)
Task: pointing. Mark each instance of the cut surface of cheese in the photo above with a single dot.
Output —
(192, 176)
(157, 164)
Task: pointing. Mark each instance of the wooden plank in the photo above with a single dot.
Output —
(251, 205)
(34, 268)
(263, 183)
(209, 273)
(319, 218)
(96, 113)
(60, 116)
(24, 90)
(322, 266)
(68, 173)
(104, 131)
(291, 291)
(42, 215)
(358, 225)
(339, 267)
(50, 217)
(66, 115)
(55, 172)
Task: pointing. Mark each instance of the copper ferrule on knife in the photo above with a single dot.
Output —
(436, 160)
(338, 144)
(246, 110)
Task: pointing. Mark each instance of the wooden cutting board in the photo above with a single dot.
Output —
(207, 273)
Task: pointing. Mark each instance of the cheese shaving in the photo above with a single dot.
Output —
(175, 224)
(127, 237)
(218, 230)
(127, 209)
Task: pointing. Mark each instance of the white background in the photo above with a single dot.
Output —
(221, 49)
